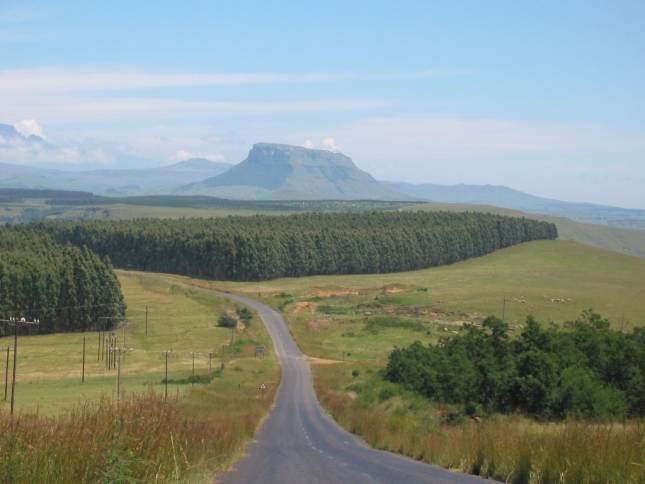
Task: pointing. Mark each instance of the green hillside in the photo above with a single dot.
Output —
(626, 241)
(551, 280)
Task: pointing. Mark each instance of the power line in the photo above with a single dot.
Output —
(16, 322)
(45, 308)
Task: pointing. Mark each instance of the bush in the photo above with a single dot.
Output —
(386, 394)
(226, 321)
(245, 315)
(580, 394)
(584, 370)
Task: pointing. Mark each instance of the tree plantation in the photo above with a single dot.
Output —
(266, 247)
(67, 288)
(584, 369)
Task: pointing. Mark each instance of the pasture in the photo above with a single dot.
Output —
(181, 320)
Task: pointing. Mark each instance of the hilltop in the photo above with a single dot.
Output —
(277, 171)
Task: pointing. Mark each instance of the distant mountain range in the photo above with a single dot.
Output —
(504, 197)
(137, 181)
(284, 172)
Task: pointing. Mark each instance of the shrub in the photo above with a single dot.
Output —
(226, 321)
(584, 370)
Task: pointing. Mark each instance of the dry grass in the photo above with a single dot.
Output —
(68, 432)
(507, 448)
(141, 439)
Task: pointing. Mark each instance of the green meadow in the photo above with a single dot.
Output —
(365, 316)
(181, 320)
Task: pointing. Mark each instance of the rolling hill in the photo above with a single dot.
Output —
(504, 197)
(275, 171)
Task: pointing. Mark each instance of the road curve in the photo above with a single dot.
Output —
(300, 444)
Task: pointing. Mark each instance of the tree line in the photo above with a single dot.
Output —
(583, 369)
(266, 247)
(67, 288)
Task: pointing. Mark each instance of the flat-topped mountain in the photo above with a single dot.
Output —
(277, 171)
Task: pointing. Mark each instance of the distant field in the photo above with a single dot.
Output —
(169, 206)
(181, 319)
(631, 242)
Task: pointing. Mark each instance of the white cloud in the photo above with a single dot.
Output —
(75, 80)
(331, 145)
(28, 127)
(308, 144)
(462, 138)
(182, 155)
(58, 109)
(551, 160)
(56, 80)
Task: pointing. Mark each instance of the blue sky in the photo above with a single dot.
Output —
(546, 97)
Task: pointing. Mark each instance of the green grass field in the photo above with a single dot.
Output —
(331, 316)
(181, 319)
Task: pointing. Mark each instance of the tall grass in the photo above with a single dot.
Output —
(506, 448)
(141, 439)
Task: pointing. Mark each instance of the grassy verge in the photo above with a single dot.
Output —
(507, 448)
(68, 431)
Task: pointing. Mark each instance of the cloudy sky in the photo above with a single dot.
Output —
(546, 97)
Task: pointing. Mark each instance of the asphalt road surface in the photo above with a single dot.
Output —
(300, 444)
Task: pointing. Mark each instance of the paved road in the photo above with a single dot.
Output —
(300, 444)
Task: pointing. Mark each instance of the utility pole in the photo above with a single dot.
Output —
(118, 375)
(98, 351)
(15, 355)
(15, 322)
(104, 352)
(83, 367)
(6, 375)
(210, 361)
(114, 346)
(504, 310)
(165, 396)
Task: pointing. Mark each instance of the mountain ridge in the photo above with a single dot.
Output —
(505, 197)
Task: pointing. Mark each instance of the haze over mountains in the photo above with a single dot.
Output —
(284, 172)
(136, 181)
(504, 197)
